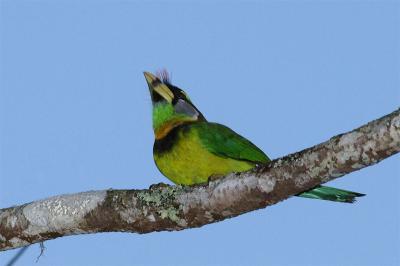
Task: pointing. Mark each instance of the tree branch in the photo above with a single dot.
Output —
(170, 208)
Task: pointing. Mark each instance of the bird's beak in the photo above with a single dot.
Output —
(150, 78)
(156, 86)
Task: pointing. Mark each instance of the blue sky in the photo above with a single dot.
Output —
(75, 115)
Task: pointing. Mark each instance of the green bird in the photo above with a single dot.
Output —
(190, 150)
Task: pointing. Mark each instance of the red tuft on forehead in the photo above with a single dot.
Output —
(163, 75)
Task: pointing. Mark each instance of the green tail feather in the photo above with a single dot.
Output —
(332, 194)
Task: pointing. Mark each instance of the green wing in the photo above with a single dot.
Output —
(224, 142)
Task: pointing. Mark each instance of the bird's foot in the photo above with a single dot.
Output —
(214, 178)
(158, 186)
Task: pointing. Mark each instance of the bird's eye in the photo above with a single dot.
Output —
(184, 94)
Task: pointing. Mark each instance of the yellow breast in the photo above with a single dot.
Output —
(189, 162)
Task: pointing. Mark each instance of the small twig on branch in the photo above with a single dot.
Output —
(17, 256)
(175, 207)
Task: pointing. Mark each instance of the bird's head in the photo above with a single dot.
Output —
(171, 105)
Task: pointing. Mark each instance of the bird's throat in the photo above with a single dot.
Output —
(165, 119)
(163, 130)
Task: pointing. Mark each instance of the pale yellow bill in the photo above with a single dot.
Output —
(159, 87)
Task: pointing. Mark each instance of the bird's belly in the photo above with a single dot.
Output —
(188, 162)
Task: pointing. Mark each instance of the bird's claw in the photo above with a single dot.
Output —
(213, 178)
(158, 186)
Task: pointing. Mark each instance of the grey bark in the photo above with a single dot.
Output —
(170, 208)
